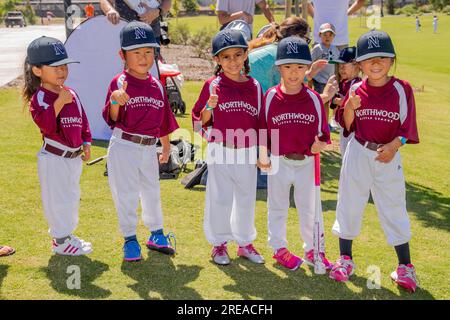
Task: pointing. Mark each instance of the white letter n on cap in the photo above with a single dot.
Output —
(292, 47)
(139, 33)
(374, 41)
(59, 48)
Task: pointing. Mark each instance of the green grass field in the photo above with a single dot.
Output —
(34, 273)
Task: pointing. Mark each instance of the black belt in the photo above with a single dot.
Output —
(147, 141)
(60, 152)
(295, 156)
(369, 145)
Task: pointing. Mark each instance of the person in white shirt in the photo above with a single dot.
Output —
(435, 24)
(335, 12)
(230, 10)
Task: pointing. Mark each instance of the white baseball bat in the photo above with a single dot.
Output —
(319, 266)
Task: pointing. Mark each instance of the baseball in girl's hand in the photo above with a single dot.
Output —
(164, 156)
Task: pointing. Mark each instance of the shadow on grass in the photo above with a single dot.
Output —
(253, 281)
(61, 274)
(3, 273)
(158, 274)
(429, 206)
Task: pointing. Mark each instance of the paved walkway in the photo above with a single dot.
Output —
(13, 47)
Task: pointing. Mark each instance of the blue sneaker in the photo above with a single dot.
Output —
(131, 249)
(162, 243)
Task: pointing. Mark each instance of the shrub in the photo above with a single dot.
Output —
(179, 33)
(201, 42)
(190, 6)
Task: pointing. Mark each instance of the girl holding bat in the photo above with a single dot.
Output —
(295, 122)
(226, 112)
(58, 113)
(380, 111)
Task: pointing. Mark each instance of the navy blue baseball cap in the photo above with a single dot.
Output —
(293, 50)
(229, 38)
(48, 51)
(347, 55)
(375, 43)
(136, 35)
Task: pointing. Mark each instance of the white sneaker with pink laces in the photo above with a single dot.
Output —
(250, 253)
(405, 276)
(343, 269)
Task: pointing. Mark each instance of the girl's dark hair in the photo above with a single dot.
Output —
(292, 26)
(218, 68)
(32, 82)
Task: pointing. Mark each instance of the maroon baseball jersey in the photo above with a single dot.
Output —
(147, 112)
(70, 127)
(237, 108)
(298, 117)
(344, 88)
(386, 112)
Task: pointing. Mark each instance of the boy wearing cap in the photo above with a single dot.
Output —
(139, 113)
(327, 51)
(295, 115)
(58, 113)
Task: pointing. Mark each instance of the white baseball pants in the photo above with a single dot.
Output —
(230, 195)
(343, 141)
(60, 189)
(362, 175)
(299, 174)
(133, 174)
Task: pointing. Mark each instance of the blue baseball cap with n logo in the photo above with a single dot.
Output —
(228, 38)
(48, 51)
(293, 50)
(136, 35)
(375, 43)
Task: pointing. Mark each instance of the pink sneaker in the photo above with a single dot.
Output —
(287, 259)
(405, 277)
(250, 253)
(309, 259)
(343, 269)
(220, 254)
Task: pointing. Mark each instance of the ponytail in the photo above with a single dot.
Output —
(32, 82)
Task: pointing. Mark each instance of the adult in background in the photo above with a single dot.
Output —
(116, 9)
(335, 12)
(230, 10)
(89, 10)
(263, 51)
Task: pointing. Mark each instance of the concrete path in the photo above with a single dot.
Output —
(13, 47)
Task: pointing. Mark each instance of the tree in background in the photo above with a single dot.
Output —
(190, 5)
(8, 5)
(390, 6)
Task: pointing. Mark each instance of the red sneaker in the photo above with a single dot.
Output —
(309, 259)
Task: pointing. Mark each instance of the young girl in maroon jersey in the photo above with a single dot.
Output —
(296, 125)
(227, 113)
(138, 111)
(58, 113)
(349, 71)
(381, 112)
